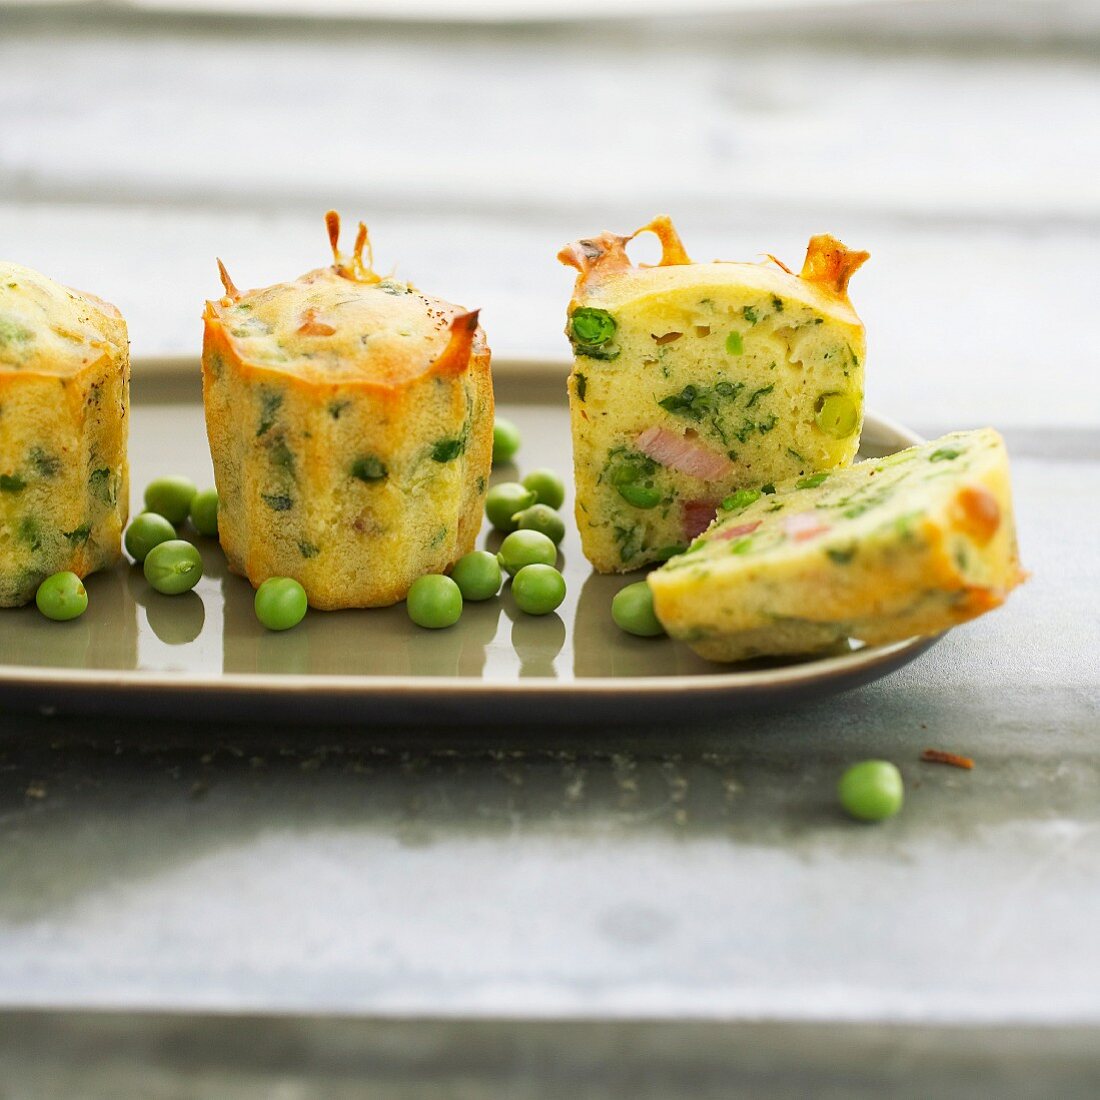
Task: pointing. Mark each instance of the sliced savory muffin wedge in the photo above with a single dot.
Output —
(887, 549)
(350, 420)
(64, 421)
(691, 380)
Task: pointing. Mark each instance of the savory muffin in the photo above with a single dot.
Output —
(350, 420)
(691, 380)
(885, 550)
(64, 408)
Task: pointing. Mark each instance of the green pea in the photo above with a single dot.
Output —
(541, 518)
(836, 415)
(173, 567)
(506, 440)
(640, 496)
(477, 575)
(503, 501)
(434, 601)
(147, 530)
(62, 597)
(871, 790)
(170, 497)
(538, 589)
(204, 513)
(592, 327)
(548, 488)
(522, 548)
(632, 610)
(280, 603)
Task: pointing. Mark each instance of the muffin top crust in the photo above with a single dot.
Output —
(47, 328)
(345, 322)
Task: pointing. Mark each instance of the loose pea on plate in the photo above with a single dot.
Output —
(504, 501)
(506, 440)
(146, 531)
(173, 567)
(62, 597)
(434, 601)
(522, 548)
(170, 497)
(478, 575)
(280, 603)
(538, 589)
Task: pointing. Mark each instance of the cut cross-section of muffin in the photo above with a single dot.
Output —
(691, 380)
(884, 550)
(350, 420)
(64, 418)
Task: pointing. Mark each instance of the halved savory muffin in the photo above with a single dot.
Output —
(691, 380)
(885, 550)
(64, 418)
(350, 420)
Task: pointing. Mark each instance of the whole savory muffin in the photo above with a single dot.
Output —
(64, 408)
(691, 380)
(885, 550)
(350, 420)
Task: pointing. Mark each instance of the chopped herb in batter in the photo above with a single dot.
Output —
(270, 403)
(99, 481)
(46, 465)
(841, 555)
(368, 468)
(282, 456)
(757, 394)
(447, 449)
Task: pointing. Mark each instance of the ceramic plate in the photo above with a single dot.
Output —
(205, 655)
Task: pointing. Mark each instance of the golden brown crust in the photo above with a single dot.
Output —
(597, 258)
(341, 321)
(830, 264)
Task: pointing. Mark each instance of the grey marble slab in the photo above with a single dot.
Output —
(701, 871)
(617, 875)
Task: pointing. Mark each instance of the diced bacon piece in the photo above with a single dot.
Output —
(804, 525)
(697, 516)
(738, 531)
(683, 453)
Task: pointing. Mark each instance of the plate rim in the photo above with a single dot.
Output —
(854, 665)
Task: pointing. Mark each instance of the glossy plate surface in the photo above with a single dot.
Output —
(204, 654)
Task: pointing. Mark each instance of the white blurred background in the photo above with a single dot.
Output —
(959, 142)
